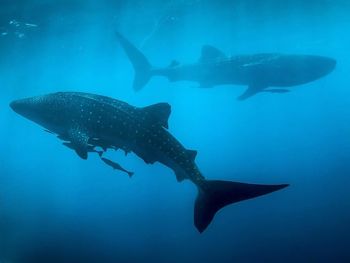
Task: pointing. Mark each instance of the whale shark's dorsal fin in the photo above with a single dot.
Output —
(158, 113)
(192, 154)
(210, 53)
(173, 64)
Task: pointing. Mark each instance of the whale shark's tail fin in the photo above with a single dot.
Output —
(140, 63)
(214, 195)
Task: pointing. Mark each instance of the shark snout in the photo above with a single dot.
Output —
(23, 107)
(13, 105)
(332, 64)
(325, 65)
(329, 64)
(18, 106)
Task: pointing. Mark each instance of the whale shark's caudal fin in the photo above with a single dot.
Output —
(140, 63)
(214, 195)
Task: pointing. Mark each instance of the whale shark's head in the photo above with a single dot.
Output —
(323, 65)
(44, 110)
(291, 70)
(33, 108)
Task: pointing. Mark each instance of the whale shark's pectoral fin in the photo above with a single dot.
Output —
(90, 148)
(79, 140)
(158, 113)
(251, 91)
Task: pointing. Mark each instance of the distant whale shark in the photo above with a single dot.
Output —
(85, 121)
(259, 72)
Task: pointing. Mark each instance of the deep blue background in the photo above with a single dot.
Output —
(53, 203)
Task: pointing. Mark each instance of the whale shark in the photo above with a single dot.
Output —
(85, 121)
(265, 72)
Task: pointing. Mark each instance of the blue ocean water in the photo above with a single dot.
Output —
(56, 207)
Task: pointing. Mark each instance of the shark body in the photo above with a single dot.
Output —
(85, 121)
(266, 72)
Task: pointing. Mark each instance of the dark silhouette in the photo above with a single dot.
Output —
(85, 119)
(259, 72)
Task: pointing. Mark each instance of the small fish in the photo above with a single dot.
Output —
(116, 166)
(30, 25)
(14, 23)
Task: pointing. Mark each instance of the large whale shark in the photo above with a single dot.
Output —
(86, 121)
(260, 72)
